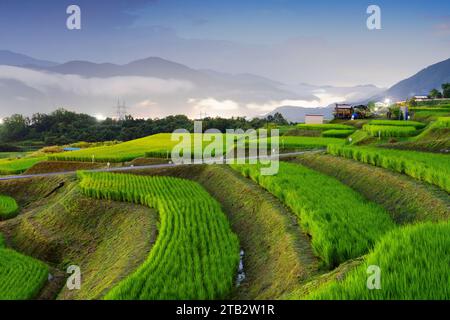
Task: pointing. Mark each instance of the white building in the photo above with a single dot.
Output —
(314, 119)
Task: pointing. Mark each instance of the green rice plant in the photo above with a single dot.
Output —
(358, 137)
(298, 142)
(21, 277)
(158, 145)
(325, 126)
(430, 109)
(8, 208)
(17, 166)
(414, 262)
(337, 133)
(121, 152)
(342, 224)
(196, 254)
(389, 131)
(428, 167)
(398, 123)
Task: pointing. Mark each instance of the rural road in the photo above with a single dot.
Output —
(153, 166)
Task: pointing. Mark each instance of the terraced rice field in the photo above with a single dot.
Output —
(21, 277)
(390, 131)
(413, 261)
(341, 223)
(8, 207)
(17, 166)
(428, 167)
(326, 126)
(294, 142)
(196, 254)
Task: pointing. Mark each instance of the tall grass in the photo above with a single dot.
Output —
(21, 277)
(414, 262)
(196, 253)
(428, 167)
(342, 224)
(8, 207)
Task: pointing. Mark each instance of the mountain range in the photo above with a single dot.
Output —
(155, 87)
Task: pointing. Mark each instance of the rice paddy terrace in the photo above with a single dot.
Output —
(218, 231)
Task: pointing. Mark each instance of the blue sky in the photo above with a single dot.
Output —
(321, 42)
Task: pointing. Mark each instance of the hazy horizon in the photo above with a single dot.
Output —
(325, 43)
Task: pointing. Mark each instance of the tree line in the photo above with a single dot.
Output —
(64, 127)
(445, 93)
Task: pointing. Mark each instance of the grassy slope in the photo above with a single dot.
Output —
(108, 240)
(406, 199)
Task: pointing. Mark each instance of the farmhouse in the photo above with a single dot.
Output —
(343, 111)
(421, 98)
(314, 119)
(347, 111)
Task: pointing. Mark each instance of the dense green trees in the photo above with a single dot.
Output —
(446, 90)
(63, 127)
(435, 94)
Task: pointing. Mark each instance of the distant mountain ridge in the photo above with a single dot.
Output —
(420, 83)
(10, 58)
(155, 87)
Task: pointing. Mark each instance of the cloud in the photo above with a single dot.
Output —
(214, 107)
(98, 87)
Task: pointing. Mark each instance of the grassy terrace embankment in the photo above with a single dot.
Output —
(62, 227)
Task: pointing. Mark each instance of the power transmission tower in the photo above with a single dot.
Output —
(121, 110)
